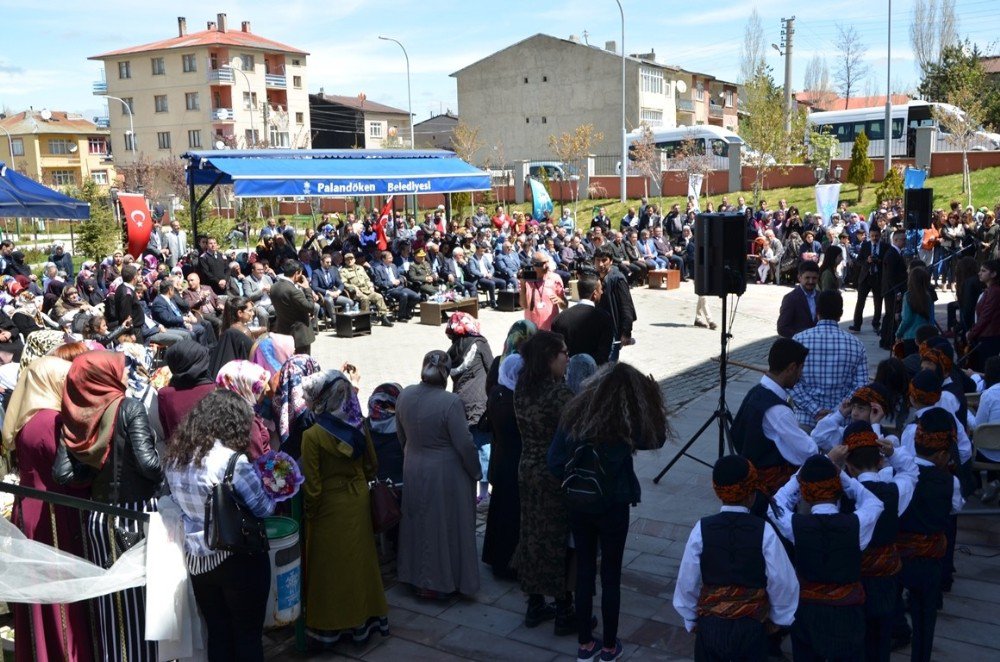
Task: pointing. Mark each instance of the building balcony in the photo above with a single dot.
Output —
(222, 115)
(685, 106)
(220, 76)
(275, 80)
(100, 87)
(715, 111)
(102, 122)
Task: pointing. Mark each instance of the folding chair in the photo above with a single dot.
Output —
(985, 437)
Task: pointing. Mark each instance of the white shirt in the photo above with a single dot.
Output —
(957, 501)
(829, 432)
(867, 507)
(910, 434)
(585, 302)
(781, 427)
(989, 412)
(782, 583)
(902, 471)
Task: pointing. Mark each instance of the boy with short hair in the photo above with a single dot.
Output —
(868, 403)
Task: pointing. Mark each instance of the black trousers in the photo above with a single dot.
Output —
(406, 297)
(922, 580)
(233, 600)
(889, 320)
(723, 639)
(825, 632)
(610, 529)
(869, 286)
(880, 602)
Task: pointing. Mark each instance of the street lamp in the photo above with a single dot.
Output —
(239, 69)
(409, 101)
(621, 10)
(131, 125)
(828, 175)
(10, 143)
(887, 129)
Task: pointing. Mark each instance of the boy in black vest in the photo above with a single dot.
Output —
(922, 541)
(830, 621)
(880, 562)
(735, 575)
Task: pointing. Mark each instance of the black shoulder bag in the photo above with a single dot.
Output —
(124, 537)
(229, 525)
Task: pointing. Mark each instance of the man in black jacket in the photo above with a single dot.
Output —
(124, 303)
(616, 300)
(585, 328)
(893, 286)
(869, 279)
(213, 267)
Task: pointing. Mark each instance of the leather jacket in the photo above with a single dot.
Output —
(141, 473)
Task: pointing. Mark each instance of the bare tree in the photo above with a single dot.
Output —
(465, 142)
(572, 148)
(817, 82)
(754, 47)
(691, 158)
(933, 29)
(963, 124)
(851, 66)
(645, 158)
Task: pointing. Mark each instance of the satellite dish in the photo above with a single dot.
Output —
(73, 149)
(46, 114)
(682, 87)
(219, 144)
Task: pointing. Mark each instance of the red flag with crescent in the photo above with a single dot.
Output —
(383, 221)
(138, 221)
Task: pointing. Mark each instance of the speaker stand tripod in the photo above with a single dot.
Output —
(721, 413)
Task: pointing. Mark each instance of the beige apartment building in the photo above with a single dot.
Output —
(199, 90)
(707, 100)
(56, 148)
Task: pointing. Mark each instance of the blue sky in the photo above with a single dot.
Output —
(43, 60)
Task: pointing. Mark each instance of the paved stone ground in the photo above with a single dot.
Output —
(490, 626)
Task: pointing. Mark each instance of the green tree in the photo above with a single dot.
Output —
(891, 187)
(861, 169)
(823, 146)
(960, 68)
(764, 129)
(99, 235)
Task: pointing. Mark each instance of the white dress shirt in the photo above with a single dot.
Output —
(910, 433)
(902, 472)
(867, 507)
(780, 426)
(782, 583)
(829, 432)
(989, 412)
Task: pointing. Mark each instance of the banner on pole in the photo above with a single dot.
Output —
(827, 197)
(138, 221)
(694, 185)
(914, 178)
(540, 200)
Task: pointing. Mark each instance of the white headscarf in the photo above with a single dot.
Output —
(510, 370)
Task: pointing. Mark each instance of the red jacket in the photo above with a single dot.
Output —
(987, 315)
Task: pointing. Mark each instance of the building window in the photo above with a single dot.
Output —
(194, 138)
(17, 145)
(97, 145)
(129, 141)
(125, 69)
(190, 63)
(375, 130)
(699, 91)
(159, 68)
(545, 79)
(100, 177)
(163, 139)
(527, 120)
(160, 102)
(545, 120)
(297, 82)
(63, 178)
(59, 146)
(296, 63)
(525, 80)
(300, 118)
(128, 102)
(249, 100)
(247, 61)
(652, 80)
(252, 138)
(191, 101)
(651, 116)
(729, 98)
(278, 138)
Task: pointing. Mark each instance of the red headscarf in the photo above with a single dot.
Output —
(95, 387)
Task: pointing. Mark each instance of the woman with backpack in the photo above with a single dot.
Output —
(619, 412)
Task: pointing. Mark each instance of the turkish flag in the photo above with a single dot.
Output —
(138, 221)
(383, 221)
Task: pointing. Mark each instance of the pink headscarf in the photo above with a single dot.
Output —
(244, 378)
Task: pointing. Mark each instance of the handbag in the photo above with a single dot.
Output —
(386, 512)
(229, 525)
(124, 537)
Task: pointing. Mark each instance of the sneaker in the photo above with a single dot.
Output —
(538, 614)
(589, 652)
(612, 654)
(854, 329)
(712, 326)
(701, 325)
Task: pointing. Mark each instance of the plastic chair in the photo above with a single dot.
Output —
(972, 399)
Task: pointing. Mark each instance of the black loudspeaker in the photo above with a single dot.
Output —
(720, 258)
(917, 204)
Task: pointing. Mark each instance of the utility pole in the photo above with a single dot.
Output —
(787, 34)
(887, 129)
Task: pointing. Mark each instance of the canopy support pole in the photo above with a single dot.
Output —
(196, 206)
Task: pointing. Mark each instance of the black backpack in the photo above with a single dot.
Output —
(586, 483)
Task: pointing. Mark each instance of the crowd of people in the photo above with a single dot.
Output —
(159, 374)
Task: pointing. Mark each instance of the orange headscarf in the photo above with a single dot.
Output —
(95, 387)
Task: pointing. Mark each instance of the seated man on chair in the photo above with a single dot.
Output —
(457, 275)
(326, 283)
(389, 279)
(481, 268)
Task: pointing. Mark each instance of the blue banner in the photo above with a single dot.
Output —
(914, 178)
(540, 200)
(347, 187)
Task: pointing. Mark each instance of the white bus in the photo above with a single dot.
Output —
(708, 139)
(906, 118)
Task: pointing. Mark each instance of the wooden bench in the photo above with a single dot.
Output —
(508, 301)
(349, 325)
(670, 277)
(431, 312)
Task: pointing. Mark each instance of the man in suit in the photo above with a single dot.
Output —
(156, 245)
(202, 300)
(586, 328)
(293, 306)
(798, 307)
(616, 300)
(481, 268)
(213, 268)
(893, 286)
(175, 240)
(326, 282)
(455, 272)
(869, 279)
(165, 311)
(390, 280)
(123, 303)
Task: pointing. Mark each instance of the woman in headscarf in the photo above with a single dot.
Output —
(292, 415)
(503, 521)
(381, 425)
(105, 433)
(41, 343)
(580, 368)
(343, 583)
(68, 305)
(188, 361)
(28, 317)
(470, 357)
(250, 382)
(437, 535)
(31, 427)
(236, 340)
(517, 335)
(271, 351)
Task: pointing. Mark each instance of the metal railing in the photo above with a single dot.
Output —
(222, 115)
(714, 111)
(220, 75)
(100, 87)
(275, 80)
(685, 105)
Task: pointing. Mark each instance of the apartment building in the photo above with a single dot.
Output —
(346, 122)
(56, 148)
(204, 89)
(705, 99)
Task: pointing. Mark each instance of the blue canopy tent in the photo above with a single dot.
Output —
(342, 173)
(24, 197)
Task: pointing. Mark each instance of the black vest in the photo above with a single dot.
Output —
(748, 428)
(827, 548)
(928, 511)
(732, 553)
(887, 526)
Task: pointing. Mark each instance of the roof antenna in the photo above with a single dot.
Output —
(585, 35)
